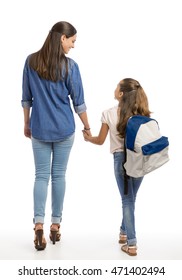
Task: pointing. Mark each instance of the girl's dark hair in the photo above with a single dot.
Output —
(48, 62)
(133, 102)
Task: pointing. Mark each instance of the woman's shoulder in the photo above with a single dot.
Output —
(26, 62)
(27, 59)
(73, 65)
(72, 62)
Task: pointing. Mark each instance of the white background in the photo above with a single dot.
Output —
(116, 39)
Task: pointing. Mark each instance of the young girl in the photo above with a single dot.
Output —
(132, 101)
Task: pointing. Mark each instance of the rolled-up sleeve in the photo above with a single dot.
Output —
(27, 99)
(75, 87)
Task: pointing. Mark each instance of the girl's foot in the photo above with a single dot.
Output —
(122, 238)
(130, 250)
(55, 234)
(39, 240)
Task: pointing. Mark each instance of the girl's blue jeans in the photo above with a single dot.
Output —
(128, 201)
(51, 159)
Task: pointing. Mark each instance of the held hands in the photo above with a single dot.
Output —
(86, 134)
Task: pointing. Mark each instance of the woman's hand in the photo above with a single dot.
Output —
(27, 131)
(86, 134)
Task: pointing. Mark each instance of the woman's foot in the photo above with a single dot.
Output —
(122, 238)
(130, 250)
(39, 240)
(55, 234)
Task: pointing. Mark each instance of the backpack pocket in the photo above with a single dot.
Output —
(155, 154)
(155, 146)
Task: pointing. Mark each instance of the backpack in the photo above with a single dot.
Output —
(145, 148)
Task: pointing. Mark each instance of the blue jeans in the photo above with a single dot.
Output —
(51, 159)
(128, 201)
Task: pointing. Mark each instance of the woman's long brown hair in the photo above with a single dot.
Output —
(50, 60)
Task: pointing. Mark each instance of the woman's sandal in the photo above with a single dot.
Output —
(39, 240)
(122, 238)
(130, 250)
(55, 234)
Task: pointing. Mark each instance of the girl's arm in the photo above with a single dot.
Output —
(100, 139)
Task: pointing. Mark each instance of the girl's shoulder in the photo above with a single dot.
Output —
(109, 117)
(109, 114)
(111, 110)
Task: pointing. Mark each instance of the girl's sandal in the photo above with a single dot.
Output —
(39, 240)
(55, 234)
(122, 238)
(130, 250)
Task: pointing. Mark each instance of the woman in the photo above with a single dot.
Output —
(50, 81)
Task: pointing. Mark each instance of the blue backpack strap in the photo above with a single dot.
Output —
(132, 127)
(126, 177)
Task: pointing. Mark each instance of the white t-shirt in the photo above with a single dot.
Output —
(110, 117)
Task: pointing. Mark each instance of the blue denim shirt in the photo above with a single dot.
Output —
(51, 116)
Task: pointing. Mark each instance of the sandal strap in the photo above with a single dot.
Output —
(132, 247)
(55, 227)
(38, 227)
(128, 248)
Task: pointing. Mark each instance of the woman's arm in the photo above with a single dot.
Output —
(100, 139)
(84, 119)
